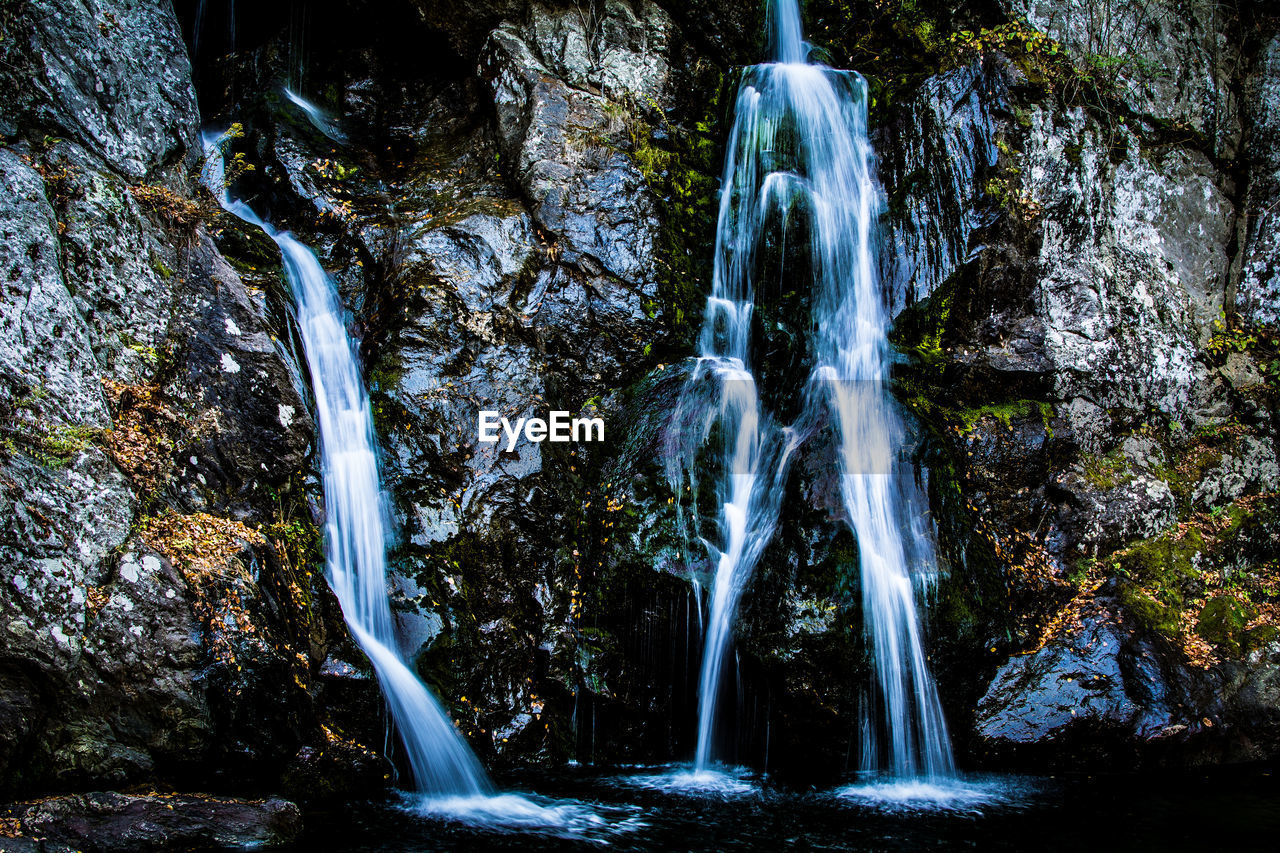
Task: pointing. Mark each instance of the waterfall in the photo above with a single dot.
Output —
(319, 119)
(799, 147)
(355, 510)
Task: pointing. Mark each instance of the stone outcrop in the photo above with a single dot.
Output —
(107, 822)
(163, 611)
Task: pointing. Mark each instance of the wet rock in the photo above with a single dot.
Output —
(1095, 676)
(934, 159)
(108, 822)
(242, 392)
(1102, 692)
(114, 76)
(558, 134)
(1258, 295)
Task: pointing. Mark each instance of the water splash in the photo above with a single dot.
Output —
(571, 820)
(355, 511)
(723, 783)
(799, 146)
(968, 794)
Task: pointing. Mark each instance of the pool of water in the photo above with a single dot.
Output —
(673, 808)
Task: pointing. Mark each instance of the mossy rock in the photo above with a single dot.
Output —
(1260, 637)
(1222, 622)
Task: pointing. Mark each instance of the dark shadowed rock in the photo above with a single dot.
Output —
(1258, 297)
(1096, 676)
(111, 822)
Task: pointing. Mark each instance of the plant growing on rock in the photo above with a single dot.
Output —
(172, 209)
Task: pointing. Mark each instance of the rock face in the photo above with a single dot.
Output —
(112, 75)
(1136, 43)
(108, 822)
(1058, 254)
(1259, 290)
(934, 162)
(1098, 677)
(1105, 691)
(149, 413)
(1076, 340)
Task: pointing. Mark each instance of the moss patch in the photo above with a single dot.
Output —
(1210, 585)
(680, 164)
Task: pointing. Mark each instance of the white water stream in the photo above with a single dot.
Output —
(799, 147)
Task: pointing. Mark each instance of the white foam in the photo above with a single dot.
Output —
(515, 813)
(945, 795)
(725, 783)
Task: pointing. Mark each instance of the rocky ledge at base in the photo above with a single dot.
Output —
(110, 822)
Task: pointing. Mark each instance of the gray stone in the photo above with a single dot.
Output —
(113, 74)
(1170, 60)
(1134, 267)
(1258, 294)
(45, 345)
(565, 143)
(114, 262)
(1249, 467)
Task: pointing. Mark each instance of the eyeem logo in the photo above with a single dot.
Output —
(559, 427)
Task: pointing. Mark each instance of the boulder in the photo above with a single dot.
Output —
(151, 823)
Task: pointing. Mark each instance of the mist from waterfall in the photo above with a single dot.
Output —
(799, 148)
(356, 516)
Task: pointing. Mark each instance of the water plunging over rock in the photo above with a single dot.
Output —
(356, 533)
(799, 148)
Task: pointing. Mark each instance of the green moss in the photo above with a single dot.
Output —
(52, 445)
(386, 375)
(1222, 621)
(919, 330)
(159, 267)
(1156, 577)
(679, 165)
(1225, 556)
(1259, 637)
(1106, 472)
(1007, 412)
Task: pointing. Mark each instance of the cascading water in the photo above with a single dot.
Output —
(753, 454)
(319, 119)
(355, 513)
(799, 146)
